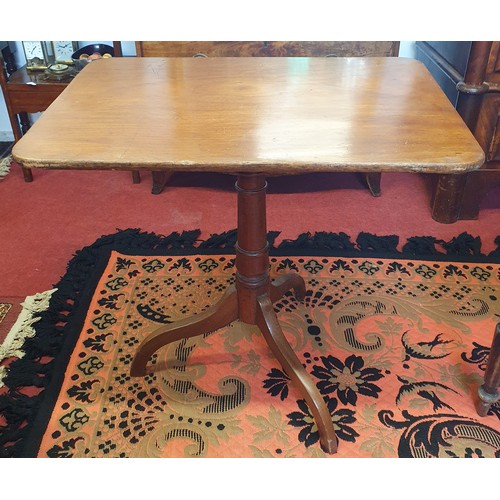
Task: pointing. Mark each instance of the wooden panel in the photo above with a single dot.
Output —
(32, 102)
(494, 152)
(266, 49)
(494, 149)
(487, 129)
(339, 49)
(493, 68)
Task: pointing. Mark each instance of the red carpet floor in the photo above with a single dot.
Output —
(46, 221)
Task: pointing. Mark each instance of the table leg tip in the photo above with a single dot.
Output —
(137, 371)
(482, 408)
(329, 446)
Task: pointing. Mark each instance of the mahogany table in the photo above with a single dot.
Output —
(252, 117)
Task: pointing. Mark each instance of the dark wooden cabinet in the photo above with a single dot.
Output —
(469, 74)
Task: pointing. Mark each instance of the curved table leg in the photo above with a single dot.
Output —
(222, 313)
(290, 281)
(270, 328)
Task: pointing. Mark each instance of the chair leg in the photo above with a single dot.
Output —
(160, 179)
(488, 392)
(27, 174)
(373, 181)
(136, 177)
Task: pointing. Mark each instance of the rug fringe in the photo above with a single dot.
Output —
(464, 247)
(5, 166)
(23, 327)
(54, 323)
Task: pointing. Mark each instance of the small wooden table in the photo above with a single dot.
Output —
(28, 92)
(252, 117)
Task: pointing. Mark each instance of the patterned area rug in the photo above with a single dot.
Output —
(396, 344)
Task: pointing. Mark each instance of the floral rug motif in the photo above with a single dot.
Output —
(10, 307)
(397, 348)
(5, 307)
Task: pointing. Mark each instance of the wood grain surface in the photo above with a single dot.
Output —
(266, 49)
(272, 115)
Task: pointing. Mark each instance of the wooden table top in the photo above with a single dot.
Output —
(271, 115)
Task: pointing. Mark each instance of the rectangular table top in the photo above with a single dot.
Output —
(271, 115)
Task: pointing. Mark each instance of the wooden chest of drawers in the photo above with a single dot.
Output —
(469, 73)
(266, 49)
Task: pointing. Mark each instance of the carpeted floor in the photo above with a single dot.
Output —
(46, 221)
(396, 342)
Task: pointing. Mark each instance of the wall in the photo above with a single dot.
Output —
(406, 49)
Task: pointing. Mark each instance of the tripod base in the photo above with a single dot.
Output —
(250, 300)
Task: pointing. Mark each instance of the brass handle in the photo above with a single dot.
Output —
(483, 88)
(200, 55)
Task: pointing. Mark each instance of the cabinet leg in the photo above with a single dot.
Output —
(448, 198)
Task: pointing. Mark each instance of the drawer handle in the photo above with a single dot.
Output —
(200, 55)
(331, 55)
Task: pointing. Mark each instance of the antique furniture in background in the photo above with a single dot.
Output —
(253, 118)
(266, 49)
(31, 92)
(469, 74)
(27, 92)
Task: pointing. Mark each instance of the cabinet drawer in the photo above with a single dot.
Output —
(33, 101)
(266, 49)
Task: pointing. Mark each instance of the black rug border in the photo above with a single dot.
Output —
(77, 287)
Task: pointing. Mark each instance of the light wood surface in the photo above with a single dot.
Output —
(272, 115)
